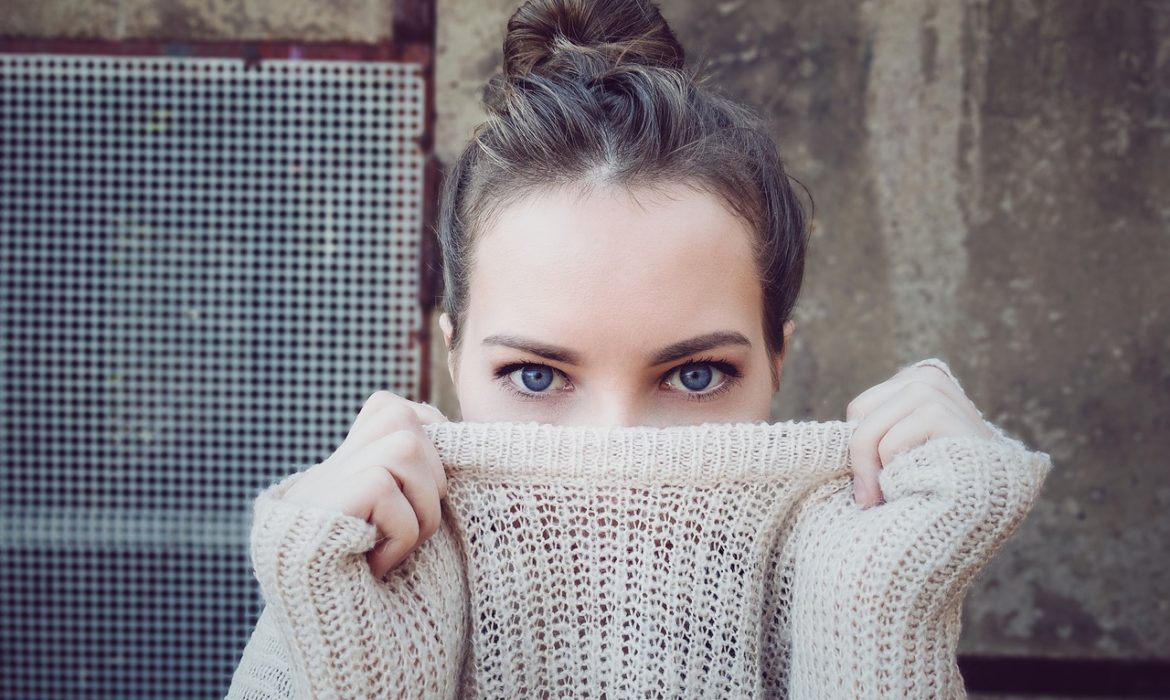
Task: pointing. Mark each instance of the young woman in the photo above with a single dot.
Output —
(622, 246)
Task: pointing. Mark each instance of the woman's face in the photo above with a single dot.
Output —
(614, 307)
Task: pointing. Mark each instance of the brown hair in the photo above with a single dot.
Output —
(597, 91)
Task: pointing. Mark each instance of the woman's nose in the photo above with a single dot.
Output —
(619, 413)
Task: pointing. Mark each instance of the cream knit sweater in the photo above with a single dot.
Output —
(724, 560)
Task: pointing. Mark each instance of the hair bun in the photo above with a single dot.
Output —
(618, 31)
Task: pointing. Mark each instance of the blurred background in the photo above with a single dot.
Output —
(992, 187)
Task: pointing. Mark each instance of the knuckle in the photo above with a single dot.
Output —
(919, 384)
(406, 447)
(434, 411)
(934, 377)
(921, 389)
(378, 399)
(397, 414)
(935, 411)
(934, 371)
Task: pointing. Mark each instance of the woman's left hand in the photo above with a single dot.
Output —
(917, 404)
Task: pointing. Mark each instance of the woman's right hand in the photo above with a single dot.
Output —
(386, 472)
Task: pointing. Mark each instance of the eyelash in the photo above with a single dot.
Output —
(731, 378)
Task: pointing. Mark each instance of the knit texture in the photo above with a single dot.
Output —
(723, 560)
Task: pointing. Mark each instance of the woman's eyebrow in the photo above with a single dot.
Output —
(699, 343)
(549, 352)
(670, 353)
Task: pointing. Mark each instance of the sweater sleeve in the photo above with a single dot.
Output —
(330, 629)
(876, 594)
(264, 671)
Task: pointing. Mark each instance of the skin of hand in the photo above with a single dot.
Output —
(915, 405)
(386, 472)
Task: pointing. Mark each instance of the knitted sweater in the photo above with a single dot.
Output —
(723, 560)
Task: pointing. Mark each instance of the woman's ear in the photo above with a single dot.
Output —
(789, 329)
(448, 333)
(447, 328)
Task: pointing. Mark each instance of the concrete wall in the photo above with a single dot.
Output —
(991, 183)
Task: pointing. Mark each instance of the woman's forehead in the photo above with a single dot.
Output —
(612, 223)
(659, 262)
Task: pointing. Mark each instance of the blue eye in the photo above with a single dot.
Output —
(535, 379)
(696, 377)
(701, 378)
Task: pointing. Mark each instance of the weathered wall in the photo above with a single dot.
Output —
(303, 20)
(992, 186)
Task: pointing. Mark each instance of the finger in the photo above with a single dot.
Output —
(375, 403)
(396, 522)
(944, 381)
(867, 436)
(380, 400)
(396, 415)
(937, 364)
(372, 405)
(415, 446)
(926, 422)
(865, 402)
(875, 396)
(409, 457)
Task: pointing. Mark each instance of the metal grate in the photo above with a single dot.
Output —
(205, 268)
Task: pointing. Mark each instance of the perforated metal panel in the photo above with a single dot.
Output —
(205, 269)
